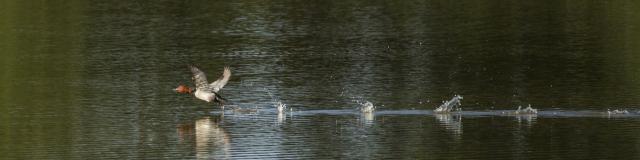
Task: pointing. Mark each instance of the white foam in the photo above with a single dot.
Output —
(448, 106)
(527, 110)
(281, 107)
(367, 107)
(622, 111)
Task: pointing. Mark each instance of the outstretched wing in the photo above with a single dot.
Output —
(199, 78)
(218, 84)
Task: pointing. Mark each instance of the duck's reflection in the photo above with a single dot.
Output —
(210, 139)
(452, 122)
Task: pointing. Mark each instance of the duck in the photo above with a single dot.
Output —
(204, 90)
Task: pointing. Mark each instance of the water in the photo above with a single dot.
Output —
(94, 79)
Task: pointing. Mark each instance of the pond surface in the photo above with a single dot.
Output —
(94, 79)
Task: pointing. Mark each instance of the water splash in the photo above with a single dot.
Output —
(367, 107)
(281, 107)
(527, 110)
(622, 111)
(522, 111)
(527, 115)
(448, 106)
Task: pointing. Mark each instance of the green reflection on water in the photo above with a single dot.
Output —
(41, 44)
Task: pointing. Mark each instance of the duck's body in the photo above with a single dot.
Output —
(205, 91)
(204, 95)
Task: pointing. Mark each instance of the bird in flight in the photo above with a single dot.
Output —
(204, 90)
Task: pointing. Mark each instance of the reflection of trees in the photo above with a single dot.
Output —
(41, 46)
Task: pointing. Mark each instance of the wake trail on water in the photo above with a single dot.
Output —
(454, 106)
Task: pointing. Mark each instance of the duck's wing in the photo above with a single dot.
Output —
(218, 84)
(199, 78)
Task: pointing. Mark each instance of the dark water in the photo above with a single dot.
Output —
(94, 79)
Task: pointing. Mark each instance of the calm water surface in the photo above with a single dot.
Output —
(94, 79)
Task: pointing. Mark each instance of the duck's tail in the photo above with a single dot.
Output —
(219, 99)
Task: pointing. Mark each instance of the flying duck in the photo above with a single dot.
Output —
(204, 90)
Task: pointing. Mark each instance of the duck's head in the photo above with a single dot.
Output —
(183, 89)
